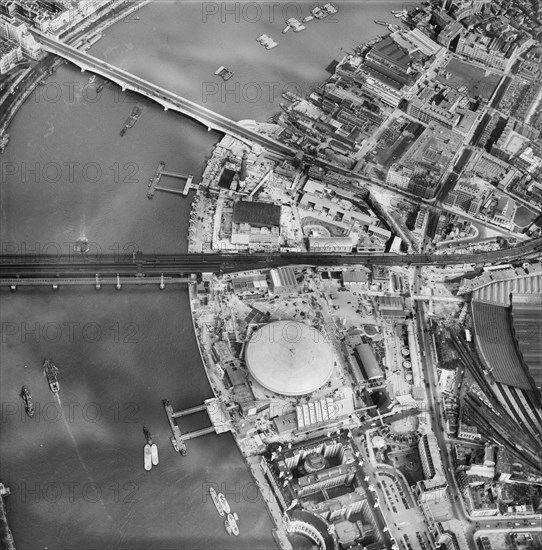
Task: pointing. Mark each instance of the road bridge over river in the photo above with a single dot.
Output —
(168, 100)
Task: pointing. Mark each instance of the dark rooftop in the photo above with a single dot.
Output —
(389, 50)
(257, 214)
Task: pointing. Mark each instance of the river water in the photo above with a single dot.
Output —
(76, 469)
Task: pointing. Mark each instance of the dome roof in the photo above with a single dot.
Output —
(289, 358)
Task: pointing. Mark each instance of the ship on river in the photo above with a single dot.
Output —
(147, 435)
(224, 503)
(218, 506)
(231, 524)
(50, 371)
(27, 398)
(132, 119)
(147, 457)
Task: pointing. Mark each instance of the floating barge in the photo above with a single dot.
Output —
(224, 72)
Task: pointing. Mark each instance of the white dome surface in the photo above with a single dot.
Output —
(289, 358)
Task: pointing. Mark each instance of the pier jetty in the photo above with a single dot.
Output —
(154, 182)
(217, 414)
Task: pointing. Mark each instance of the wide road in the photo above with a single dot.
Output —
(166, 98)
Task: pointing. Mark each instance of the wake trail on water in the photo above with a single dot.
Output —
(82, 462)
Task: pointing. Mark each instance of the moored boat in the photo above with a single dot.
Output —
(217, 504)
(147, 457)
(154, 454)
(318, 13)
(224, 503)
(228, 527)
(233, 524)
(286, 29)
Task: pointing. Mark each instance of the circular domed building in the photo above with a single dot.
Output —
(289, 358)
(370, 330)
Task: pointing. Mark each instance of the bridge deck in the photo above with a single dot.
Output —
(192, 410)
(167, 99)
(65, 281)
(198, 433)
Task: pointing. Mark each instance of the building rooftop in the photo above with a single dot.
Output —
(289, 358)
(494, 336)
(370, 365)
(257, 214)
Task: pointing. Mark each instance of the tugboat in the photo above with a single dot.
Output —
(50, 371)
(224, 503)
(218, 506)
(27, 398)
(147, 435)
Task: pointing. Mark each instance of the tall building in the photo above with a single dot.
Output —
(10, 55)
(17, 31)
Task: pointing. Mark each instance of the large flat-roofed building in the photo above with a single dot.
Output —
(354, 278)
(367, 362)
(391, 307)
(256, 223)
(390, 55)
(335, 209)
(256, 214)
(247, 285)
(331, 244)
(426, 111)
(422, 42)
(283, 280)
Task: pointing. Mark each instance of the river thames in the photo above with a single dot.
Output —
(76, 469)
